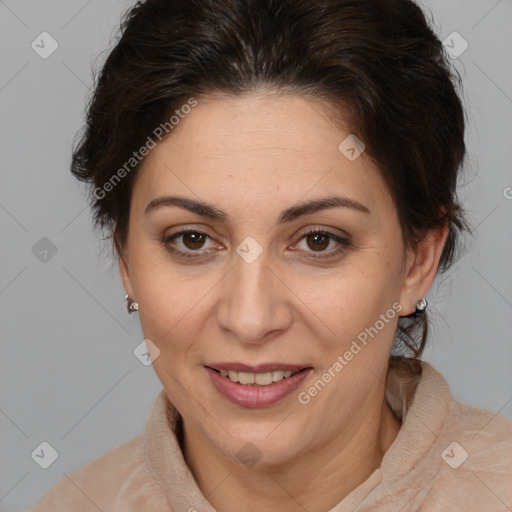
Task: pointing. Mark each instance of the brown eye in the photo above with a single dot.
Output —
(187, 244)
(318, 241)
(193, 240)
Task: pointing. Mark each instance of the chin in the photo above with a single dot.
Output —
(268, 443)
(258, 450)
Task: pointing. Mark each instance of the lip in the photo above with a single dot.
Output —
(259, 368)
(253, 396)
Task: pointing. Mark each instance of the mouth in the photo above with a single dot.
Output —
(262, 378)
(256, 386)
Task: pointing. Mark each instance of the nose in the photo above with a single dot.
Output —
(254, 304)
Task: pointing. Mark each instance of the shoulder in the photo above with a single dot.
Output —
(475, 459)
(482, 442)
(96, 485)
(481, 437)
(475, 462)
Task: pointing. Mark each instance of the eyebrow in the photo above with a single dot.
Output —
(288, 215)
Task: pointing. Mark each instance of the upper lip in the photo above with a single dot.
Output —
(258, 368)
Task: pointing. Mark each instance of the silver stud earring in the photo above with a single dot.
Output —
(421, 305)
(131, 305)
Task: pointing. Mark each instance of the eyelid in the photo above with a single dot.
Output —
(334, 232)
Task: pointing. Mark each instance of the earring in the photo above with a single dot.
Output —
(421, 305)
(131, 305)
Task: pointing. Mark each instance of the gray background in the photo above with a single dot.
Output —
(68, 373)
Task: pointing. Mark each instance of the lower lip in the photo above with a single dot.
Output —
(247, 395)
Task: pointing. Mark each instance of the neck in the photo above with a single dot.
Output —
(316, 482)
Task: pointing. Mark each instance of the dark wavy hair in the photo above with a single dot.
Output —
(377, 60)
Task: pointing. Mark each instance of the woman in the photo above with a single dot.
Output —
(279, 179)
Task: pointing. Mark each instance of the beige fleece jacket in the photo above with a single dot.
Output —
(447, 457)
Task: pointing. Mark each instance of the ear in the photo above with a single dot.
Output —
(125, 275)
(421, 268)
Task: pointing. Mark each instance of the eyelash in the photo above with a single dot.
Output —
(344, 243)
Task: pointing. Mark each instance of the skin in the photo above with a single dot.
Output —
(253, 156)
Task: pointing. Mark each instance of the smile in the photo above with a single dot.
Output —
(256, 389)
(258, 379)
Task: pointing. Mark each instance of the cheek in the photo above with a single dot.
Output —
(352, 297)
(166, 300)
(170, 313)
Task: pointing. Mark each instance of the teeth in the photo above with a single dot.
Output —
(263, 379)
(245, 378)
(277, 375)
(260, 379)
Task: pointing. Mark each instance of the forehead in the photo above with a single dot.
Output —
(259, 145)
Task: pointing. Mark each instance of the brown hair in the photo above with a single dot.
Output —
(378, 58)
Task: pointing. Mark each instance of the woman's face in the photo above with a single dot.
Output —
(247, 285)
